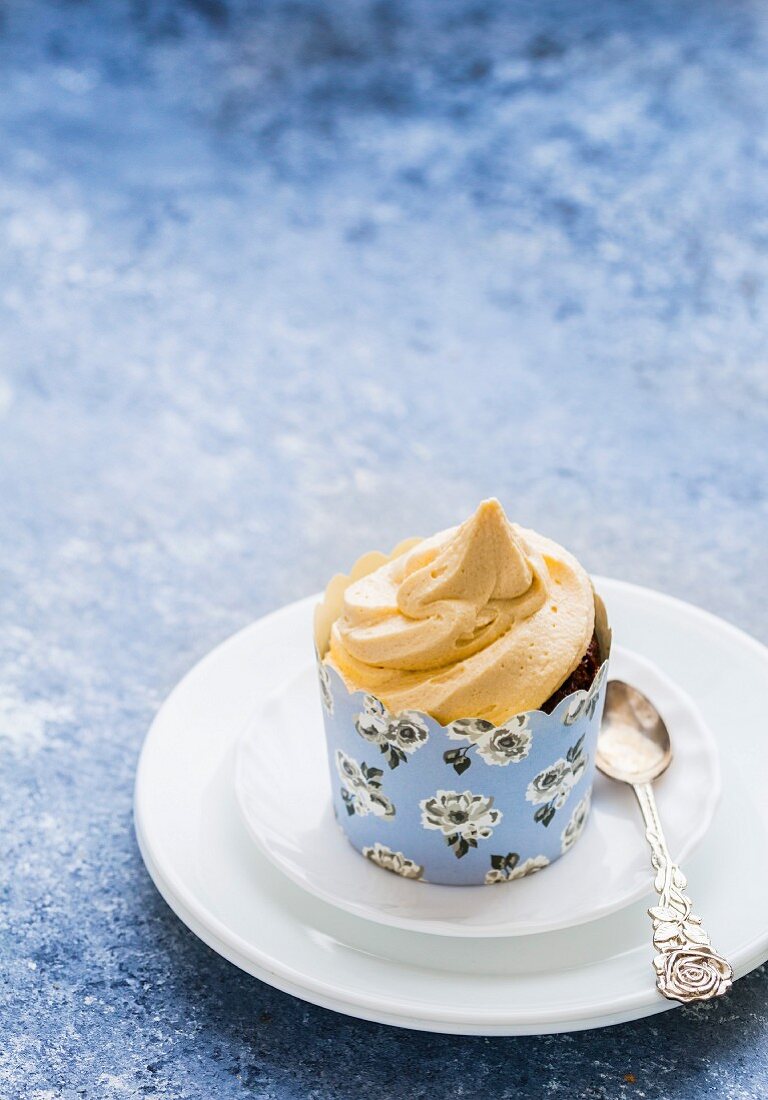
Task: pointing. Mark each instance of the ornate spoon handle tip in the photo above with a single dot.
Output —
(687, 966)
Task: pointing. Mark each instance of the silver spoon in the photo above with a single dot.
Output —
(634, 748)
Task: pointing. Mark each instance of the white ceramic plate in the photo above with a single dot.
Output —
(208, 869)
(283, 789)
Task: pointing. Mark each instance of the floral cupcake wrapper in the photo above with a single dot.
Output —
(468, 803)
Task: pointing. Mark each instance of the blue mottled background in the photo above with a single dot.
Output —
(283, 281)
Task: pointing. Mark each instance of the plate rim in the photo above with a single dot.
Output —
(359, 1008)
(383, 1008)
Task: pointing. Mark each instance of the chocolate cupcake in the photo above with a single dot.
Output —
(482, 647)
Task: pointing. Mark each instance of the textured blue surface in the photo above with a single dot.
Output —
(281, 282)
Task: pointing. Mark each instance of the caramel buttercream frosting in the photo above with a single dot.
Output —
(483, 620)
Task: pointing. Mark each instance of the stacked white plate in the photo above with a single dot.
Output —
(234, 822)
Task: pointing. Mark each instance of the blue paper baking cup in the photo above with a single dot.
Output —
(467, 803)
(463, 804)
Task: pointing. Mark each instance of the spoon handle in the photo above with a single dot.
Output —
(687, 966)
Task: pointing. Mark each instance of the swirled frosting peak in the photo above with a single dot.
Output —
(483, 620)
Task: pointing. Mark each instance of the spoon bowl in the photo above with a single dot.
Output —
(634, 744)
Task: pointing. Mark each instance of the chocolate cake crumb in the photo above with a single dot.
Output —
(580, 679)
